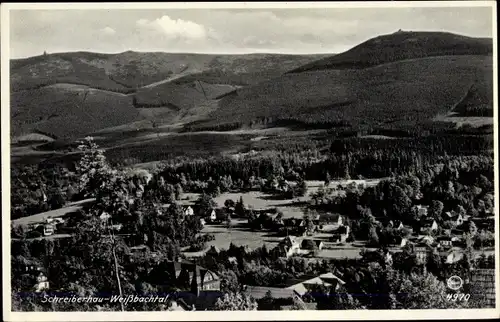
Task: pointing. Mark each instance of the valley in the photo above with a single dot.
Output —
(373, 167)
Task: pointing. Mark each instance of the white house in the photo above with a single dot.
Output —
(445, 242)
(327, 280)
(421, 210)
(289, 245)
(213, 215)
(430, 224)
(429, 240)
(341, 234)
(189, 211)
(48, 229)
(459, 220)
(453, 257)
(41, 283)
(105, 216)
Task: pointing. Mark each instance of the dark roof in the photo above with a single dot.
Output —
(309, 307)
(213, 249)
(258, 292)
(182, 264)
(292, 281)
(428, 222)
(204, 301)
(326, 218)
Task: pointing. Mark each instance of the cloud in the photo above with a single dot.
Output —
(175, 28)
(229, 30)
(108, 31)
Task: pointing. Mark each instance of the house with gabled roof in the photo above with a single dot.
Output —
(328, 280)
(394, 224)
(422, 210)
(444, 241)
(426, 239)
(213, 216)
(399, 241)
(213, 251)
(422, 252)
(188, 211)
(260, 292)
(186, 274)
(335, 219)
(429, 224)
(455, 217)
(289, 246)
(341, 234)
(454, 256)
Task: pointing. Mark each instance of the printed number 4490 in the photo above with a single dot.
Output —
(458, 297)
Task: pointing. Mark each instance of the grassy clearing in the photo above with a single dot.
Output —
(473, 121)
(290, 207)
(239, 235)
(41, 217)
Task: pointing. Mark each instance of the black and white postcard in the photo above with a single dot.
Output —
(176, 161)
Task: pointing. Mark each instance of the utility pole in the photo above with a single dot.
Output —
(111, 235)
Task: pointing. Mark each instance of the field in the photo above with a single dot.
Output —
(290, 207)
(239, 235)
(473, 121)
(41, 217)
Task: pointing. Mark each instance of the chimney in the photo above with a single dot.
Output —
(194, 283)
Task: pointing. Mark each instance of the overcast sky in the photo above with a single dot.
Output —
(292, 31)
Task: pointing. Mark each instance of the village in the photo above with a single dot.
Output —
(315, 235)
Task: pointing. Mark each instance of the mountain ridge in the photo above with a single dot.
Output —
(370, 84)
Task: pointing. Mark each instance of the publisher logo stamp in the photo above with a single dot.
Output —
(454, 282)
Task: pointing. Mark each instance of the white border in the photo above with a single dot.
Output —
(224, 315)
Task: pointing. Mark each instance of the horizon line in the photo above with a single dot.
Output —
(270, 52)
(178, 53)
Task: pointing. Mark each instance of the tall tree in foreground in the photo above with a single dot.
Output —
(92, 168)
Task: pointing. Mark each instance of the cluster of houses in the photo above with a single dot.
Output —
(292, 291)
(48, 227)
(38, 277)
(300, 240)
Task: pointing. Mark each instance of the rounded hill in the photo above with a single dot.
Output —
(402, 45)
